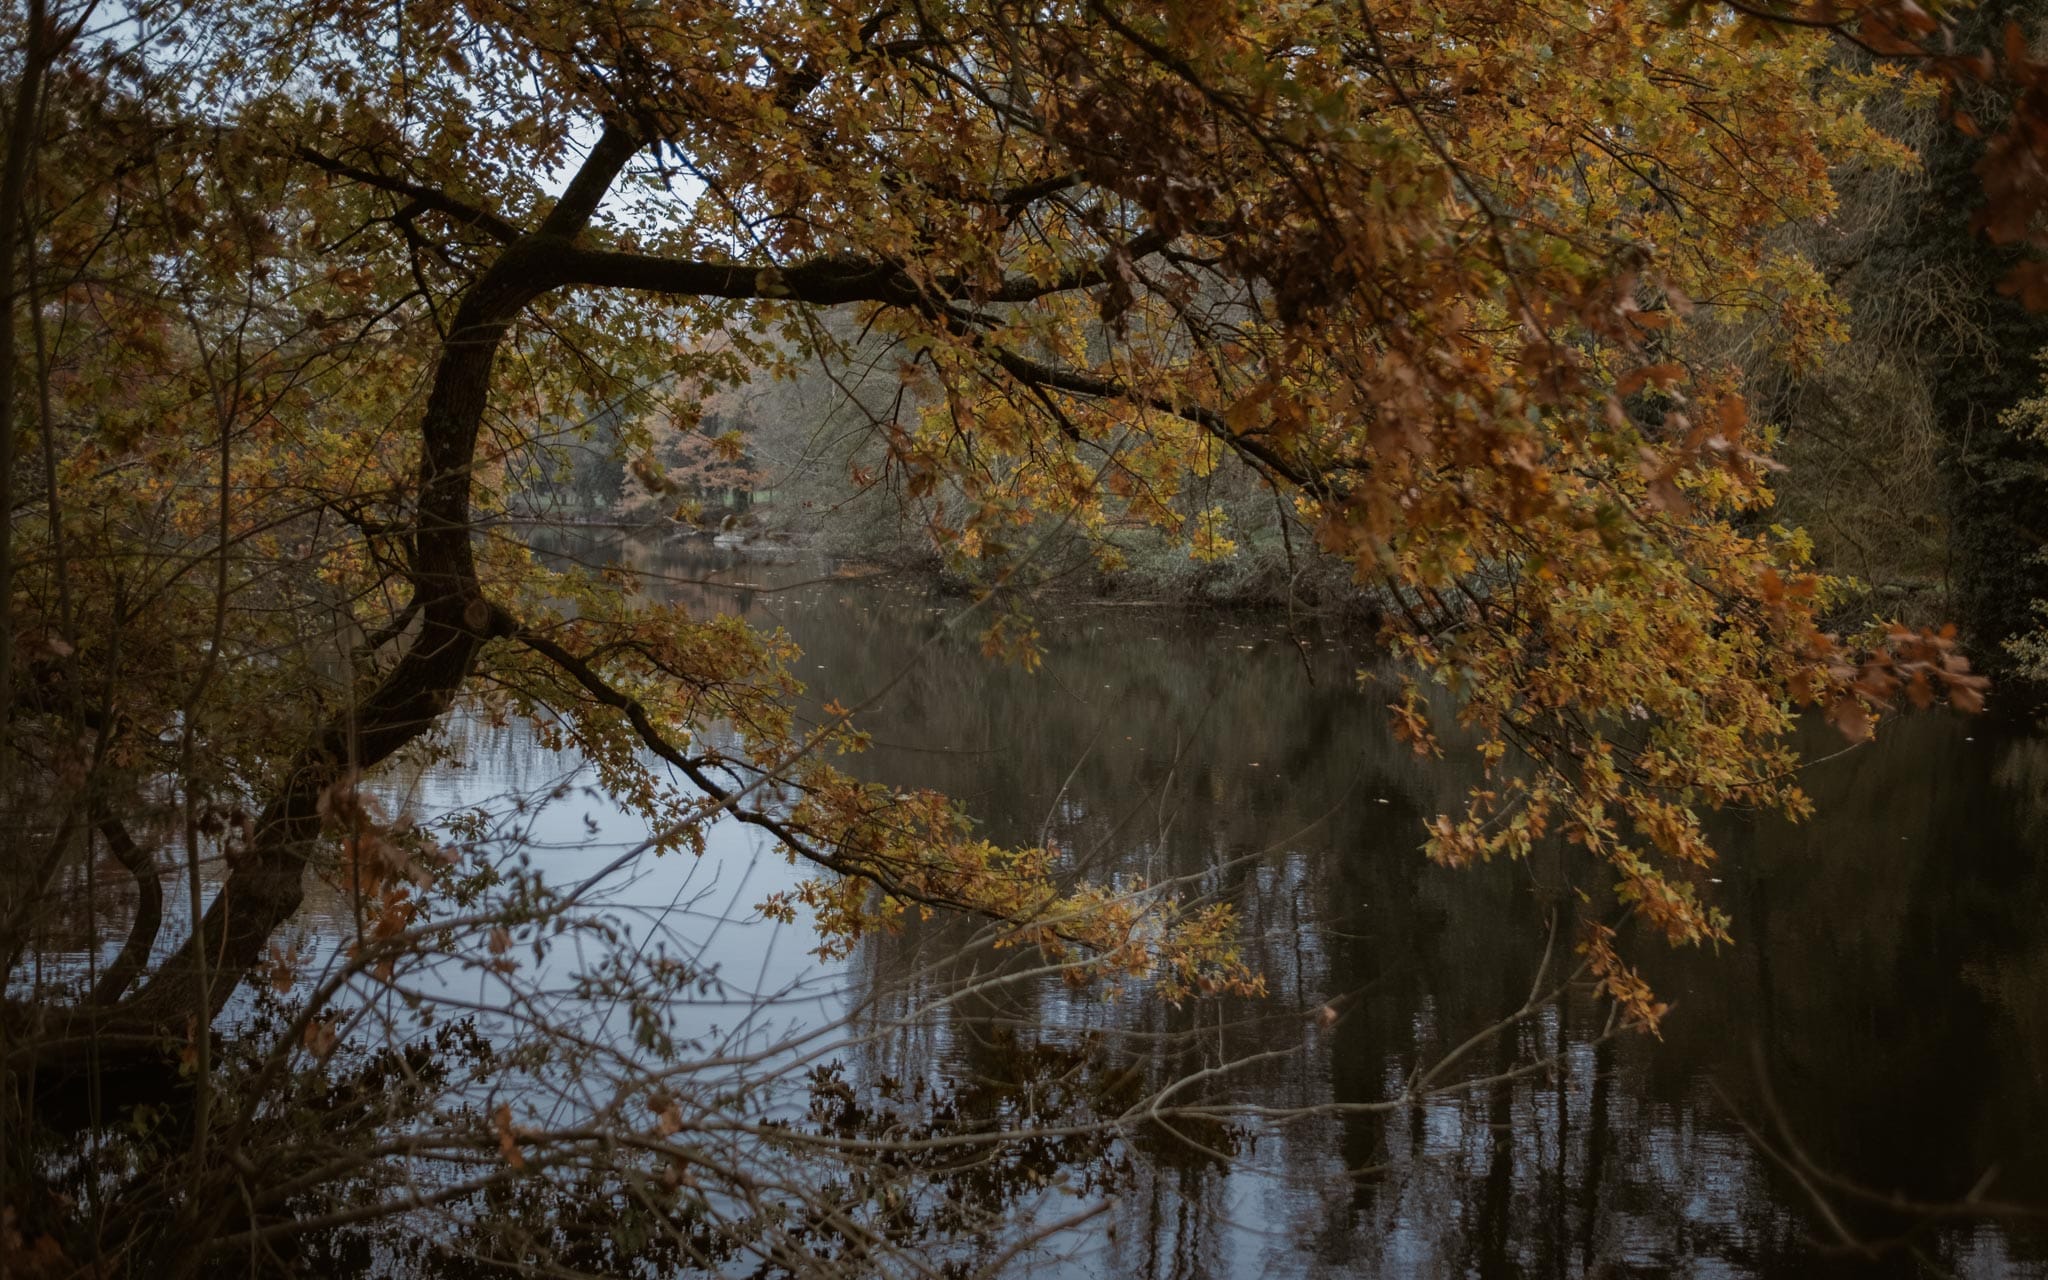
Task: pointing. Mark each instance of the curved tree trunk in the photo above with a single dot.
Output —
(140, 865)
(266, 886)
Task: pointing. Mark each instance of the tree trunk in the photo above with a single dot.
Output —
(266, 886)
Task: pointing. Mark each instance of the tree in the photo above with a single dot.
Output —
(303, 280)
(1977, 333)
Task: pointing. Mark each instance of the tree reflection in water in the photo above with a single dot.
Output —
(1884, 1010)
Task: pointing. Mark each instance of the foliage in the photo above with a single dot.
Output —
(310, 287)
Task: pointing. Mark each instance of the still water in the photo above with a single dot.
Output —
(1879, 1028)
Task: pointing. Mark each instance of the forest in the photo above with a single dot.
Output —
(1512, 469)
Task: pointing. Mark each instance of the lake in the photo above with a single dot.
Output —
(1879, 1027)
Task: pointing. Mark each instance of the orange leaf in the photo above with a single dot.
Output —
(508, 1138)
(1851, 719)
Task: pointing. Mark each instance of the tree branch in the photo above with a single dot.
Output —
(837, 281)
(1035, 373)
(609, 154)
(656, 741)
(823, 282)
(461, 211)
(1025, 289)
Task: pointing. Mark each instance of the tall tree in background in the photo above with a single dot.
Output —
(1997, 477)
(1995, 163)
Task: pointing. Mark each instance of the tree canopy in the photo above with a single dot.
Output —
(295, 292)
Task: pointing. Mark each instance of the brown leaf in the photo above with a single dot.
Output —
(508, 1137)
(283, 967)
(320, 1037)
(1851, 719)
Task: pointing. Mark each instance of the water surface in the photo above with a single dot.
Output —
(1880, 1025)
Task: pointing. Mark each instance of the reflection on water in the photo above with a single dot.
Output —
(1883, 1014)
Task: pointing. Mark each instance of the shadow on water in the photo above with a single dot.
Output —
(1882, 1018)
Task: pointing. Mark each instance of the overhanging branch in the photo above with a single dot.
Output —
(824, 282)
(458, 210)
(727, 798)
(1034, 373)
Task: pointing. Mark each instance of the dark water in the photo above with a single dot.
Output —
(1879, 1028)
